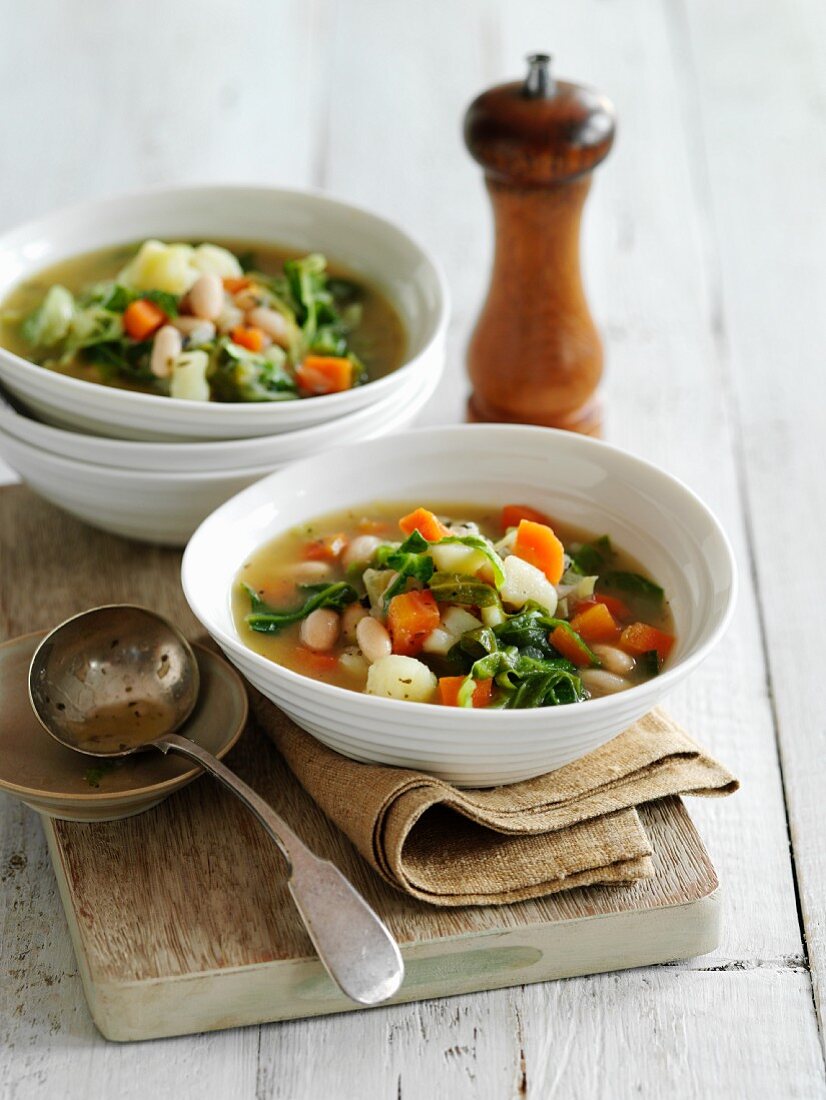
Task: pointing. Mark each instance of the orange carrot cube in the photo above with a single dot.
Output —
(410, 618)
(641, 638)
(596, 624)
(428, 526)
(537, 544)
(249, 337)
(322, 374)
(142, 318)
(565, 643)
(328, 548)
(449, 691)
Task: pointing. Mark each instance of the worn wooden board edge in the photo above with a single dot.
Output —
(468, 963)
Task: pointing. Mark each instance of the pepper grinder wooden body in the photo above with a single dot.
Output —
(535, 355)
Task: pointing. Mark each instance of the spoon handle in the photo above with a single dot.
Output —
(354, 945)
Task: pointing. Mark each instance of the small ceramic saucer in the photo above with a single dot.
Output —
(60, 783)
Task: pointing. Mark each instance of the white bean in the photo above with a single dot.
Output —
(613, 659)
(166, 347)
(229, 318)
(270, 321)
(196, 328)
(350, 618)
(320, 629)
(361, 549)
(206, 297)
(373, 639)
(599, 682)
(311, 572)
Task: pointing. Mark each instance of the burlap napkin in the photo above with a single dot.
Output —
(577, 826)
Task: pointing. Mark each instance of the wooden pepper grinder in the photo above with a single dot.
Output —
(535, 355)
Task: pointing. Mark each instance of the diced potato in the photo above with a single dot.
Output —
(397, 677)
(439, 641)
(492, 615)
(457, 621)
(524, 582)
(585, 588)
(189, 376)
(211, 259)
(455, 558)
(352, 662)
(160, 266)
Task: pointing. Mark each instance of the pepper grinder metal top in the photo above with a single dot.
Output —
(535, 356)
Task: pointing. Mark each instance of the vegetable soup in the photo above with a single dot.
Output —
(229, 321)
(475, 607)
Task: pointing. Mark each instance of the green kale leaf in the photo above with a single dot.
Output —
(270, 620)
(410, 560)
(461, 589)
(633, 583)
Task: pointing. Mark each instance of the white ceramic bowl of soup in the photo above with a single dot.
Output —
(369, 246)
(392, 413)
(157, 506)
(584, 482)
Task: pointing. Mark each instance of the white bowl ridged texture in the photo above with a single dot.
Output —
(161, 506)
(222, 455)
(583, 481)
(307, 221)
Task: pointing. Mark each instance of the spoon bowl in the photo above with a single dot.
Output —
(111, 680)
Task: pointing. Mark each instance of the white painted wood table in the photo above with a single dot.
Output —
(706, 262)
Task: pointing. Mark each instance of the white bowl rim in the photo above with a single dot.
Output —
(148, 401)
(121, 473)
(485, 715)
(132, 448)
(115, 474)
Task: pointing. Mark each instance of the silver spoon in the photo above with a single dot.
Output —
(120, 679)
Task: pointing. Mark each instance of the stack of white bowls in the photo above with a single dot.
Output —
(151, 467)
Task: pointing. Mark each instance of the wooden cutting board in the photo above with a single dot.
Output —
(180, 917)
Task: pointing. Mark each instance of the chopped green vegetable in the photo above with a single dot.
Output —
(409, 560)
(590, 557)
(484, 546)
(524, 680)
(530, 628)
(461, 589)
(242, 375)
(649, 662)
(116, 297)
(312, 301)
(270, 620)
(634, 583)
(52, 320)
(94, 775)
(124, 358)
(476, 644)
(344, 291)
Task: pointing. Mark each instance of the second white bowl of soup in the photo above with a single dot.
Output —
(547, 588)
(267, 336)
(391, 413)
(156, 501)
